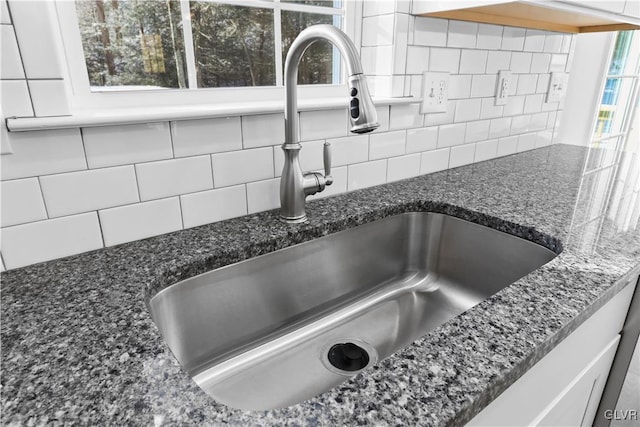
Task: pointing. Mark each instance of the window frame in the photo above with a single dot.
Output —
(82, 98)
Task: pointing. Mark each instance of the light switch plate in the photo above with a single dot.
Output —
(435, 92)
(503, 87)
(557, 87)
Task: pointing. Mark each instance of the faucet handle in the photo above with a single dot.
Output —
(326, 154)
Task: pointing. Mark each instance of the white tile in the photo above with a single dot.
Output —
(527, 84)
(21, 202)
(11, 65)
(126, 144)
(382, 111)
(206, 136)
(310, 157)
(404, 116)
(553, 43)
(15, 99)
(551, 121)
(417, 59)
(513, 38)
(544, 138)
(349, 150)
(376, 60)
(422, 139)
(520, 124)
(77, 192)
(367, 174)
(473, 61)
(43, 152)
(400, 43)
(49, 98)
(462, 155)
(526, 142)
(323, 124)
(403, 6)
(433, 119)
(46, 240)
(260, 130)
(498, 60)
(339, 185)
(543, 83)
(263, 195)
(521, 62)
(558, 62)
(500, 127)
(373, 8)
(514, 106)
(477, 131)
(507, 146)
(489, 36)
(444, 59)
(462, 34)
(37, 38)
(467, 110)
(388, 144)
(5, 18)
(534, 40)
(539, 121)
(380, 86)
(377, 30)
(239, 167)
(483, 85)
(434, 161)
(430, 31)
(486, 150)
(533, 103)
(459, 86)
(157, 180)
(214, 205)
(489, 109)
(566, 43)
(540, 63)
(449, 135)
(141, 220)
(403, 167)
(550, 106)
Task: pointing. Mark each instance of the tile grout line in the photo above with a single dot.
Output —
(104, 245)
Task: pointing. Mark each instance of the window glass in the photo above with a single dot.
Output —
(324, 3)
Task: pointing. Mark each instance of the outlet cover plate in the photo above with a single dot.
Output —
(503, 87)
(435, 92)
(557, 87)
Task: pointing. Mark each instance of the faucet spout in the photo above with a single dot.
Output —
(294, 185)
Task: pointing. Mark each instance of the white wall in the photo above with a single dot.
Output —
(68, 191)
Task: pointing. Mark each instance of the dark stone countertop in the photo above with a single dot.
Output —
(79, 346)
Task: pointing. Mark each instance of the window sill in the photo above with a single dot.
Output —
(113, 117)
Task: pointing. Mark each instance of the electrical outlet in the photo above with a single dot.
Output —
(502, 88)
(557, 86)
(435, 92)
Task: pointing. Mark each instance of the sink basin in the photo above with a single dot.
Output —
(280, 328)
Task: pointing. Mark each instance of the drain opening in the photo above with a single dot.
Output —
(348, 357)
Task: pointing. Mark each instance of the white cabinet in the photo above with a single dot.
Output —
(565, 386)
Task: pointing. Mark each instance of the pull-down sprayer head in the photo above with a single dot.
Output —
(362, 112)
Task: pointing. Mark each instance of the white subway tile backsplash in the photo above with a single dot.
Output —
(486, 150)
(443, 59)
(539, 121)
(566, 43)
(401, 41)
(500, 127)
(489, 109)
(367, 174)
(477, 131)
(78, 192)
(430, 31)
(373, 8)
(139, 221)
(521, 62)
(433, 119)
(377, 30)
(507, 146)
(544, 138)
(551, 121)
(310, 156)
(263, 195)
(459, 86)
(462, 155)
(376, 60)
(383, 118)
(558, 62)
(46, 240)
(526, 142)
(206, 136)
(550, 106)
(533, 103)
(540, 62)
(534, 40)
(473, 61)
(467, 110)
(126, 144)
(553, 43)
(349, 150)
(238, 167)
(388, 144)
(5, 18)
(11, 64)
(404, 116)
(462, 34)
(158, 180)
(527, 84)
(213, 205)
(21, 202)
(520, 124)
(449, 135)
(323, 124)
(543, 83)
(42, 153)
(498, 60)
(489, 36)
(514, 106)
(417, 59)
(49, 98)
(434, 160)
(483, 85)
(15, 99)
(403, 167)
(259, 131)
(422, 139)
(513, 38)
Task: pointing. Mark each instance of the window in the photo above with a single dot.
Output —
(205, 51)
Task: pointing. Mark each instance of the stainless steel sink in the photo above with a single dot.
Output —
(283, 327)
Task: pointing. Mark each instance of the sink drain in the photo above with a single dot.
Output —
(349, 357)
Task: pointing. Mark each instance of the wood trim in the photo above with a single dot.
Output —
(611, 27)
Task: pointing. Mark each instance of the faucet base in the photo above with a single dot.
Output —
(297, 220)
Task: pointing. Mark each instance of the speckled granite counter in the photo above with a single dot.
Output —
(79, 347)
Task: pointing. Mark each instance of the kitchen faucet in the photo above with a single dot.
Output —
(294, 185)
